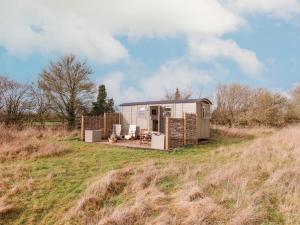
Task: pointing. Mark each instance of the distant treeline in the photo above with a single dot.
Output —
(239, 105)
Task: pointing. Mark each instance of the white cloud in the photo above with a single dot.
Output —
(285, 9)
(172, 74)
(118, 89)
(90, 27)
(210, 48)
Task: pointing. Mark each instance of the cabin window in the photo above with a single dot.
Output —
(141, 111)
(205, 112)
(153, 112)
(167, 112)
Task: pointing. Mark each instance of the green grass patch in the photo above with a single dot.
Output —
(169, 183)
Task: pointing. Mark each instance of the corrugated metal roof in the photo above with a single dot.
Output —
(166, 102)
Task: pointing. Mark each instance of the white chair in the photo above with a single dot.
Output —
(117, 129)
(131, 132)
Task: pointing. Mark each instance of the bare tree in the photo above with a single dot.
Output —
(238, 105)
(14, 100)
(294, 105)
(67, 85)
(3, 88)
(267, 108)
(178, 94)
(40, 105)
(232, 104)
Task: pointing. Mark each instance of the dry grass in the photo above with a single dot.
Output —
(8, 189)
(242, 132)
(30, 142)
(27, 143)
(259, 185)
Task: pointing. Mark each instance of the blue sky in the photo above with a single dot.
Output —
(142, 50)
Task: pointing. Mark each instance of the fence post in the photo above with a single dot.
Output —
(184, 129)
(104, 125)
(82, 128)
(167, 133)
(197, 136)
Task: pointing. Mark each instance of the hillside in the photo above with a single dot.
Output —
(241, 177)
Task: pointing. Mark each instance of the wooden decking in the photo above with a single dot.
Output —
(128, 143)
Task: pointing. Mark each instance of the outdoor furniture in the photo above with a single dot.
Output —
(92, 135)
(145, 136)
(158, 141)
(131, 132)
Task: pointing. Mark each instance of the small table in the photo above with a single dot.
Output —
(145, 137)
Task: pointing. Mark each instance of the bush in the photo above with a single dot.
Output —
(239, 105)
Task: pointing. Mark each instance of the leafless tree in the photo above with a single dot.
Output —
(40, 105)
(3, 88)
(232, 103)
(67, 86)
(14, 100)
(294, 105)
(267, 108)
(238, 105)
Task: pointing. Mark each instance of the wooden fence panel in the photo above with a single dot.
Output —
(174, 132)
(180, 132)
(104, 123)
(190, 129)
(109, 120)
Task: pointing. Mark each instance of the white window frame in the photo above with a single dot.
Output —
(169, 111)
(205, 112)
(141, 111)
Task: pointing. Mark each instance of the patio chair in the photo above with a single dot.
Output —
(131, 132)
(117, 130)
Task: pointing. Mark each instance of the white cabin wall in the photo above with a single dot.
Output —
(130, 116)
(125, 118)
(141, 121)
(189, 108)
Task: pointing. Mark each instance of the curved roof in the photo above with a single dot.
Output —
(168, 102)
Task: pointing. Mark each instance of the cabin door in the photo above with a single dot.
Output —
(155, 118)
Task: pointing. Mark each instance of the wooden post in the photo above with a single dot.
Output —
(105, 125)
(158, 117)
(82, 128)
(184, 130)
(197, 128)
(167, 129)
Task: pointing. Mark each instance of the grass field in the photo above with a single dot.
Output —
(50, 177)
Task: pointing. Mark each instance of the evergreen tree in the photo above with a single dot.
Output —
(102, 104)
(177, 94)
(110, 105)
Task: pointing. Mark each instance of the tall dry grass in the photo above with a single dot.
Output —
(224, 131)
(258, 183)
(16, 143)
(26, 143)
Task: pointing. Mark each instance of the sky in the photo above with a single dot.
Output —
(142, 49)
